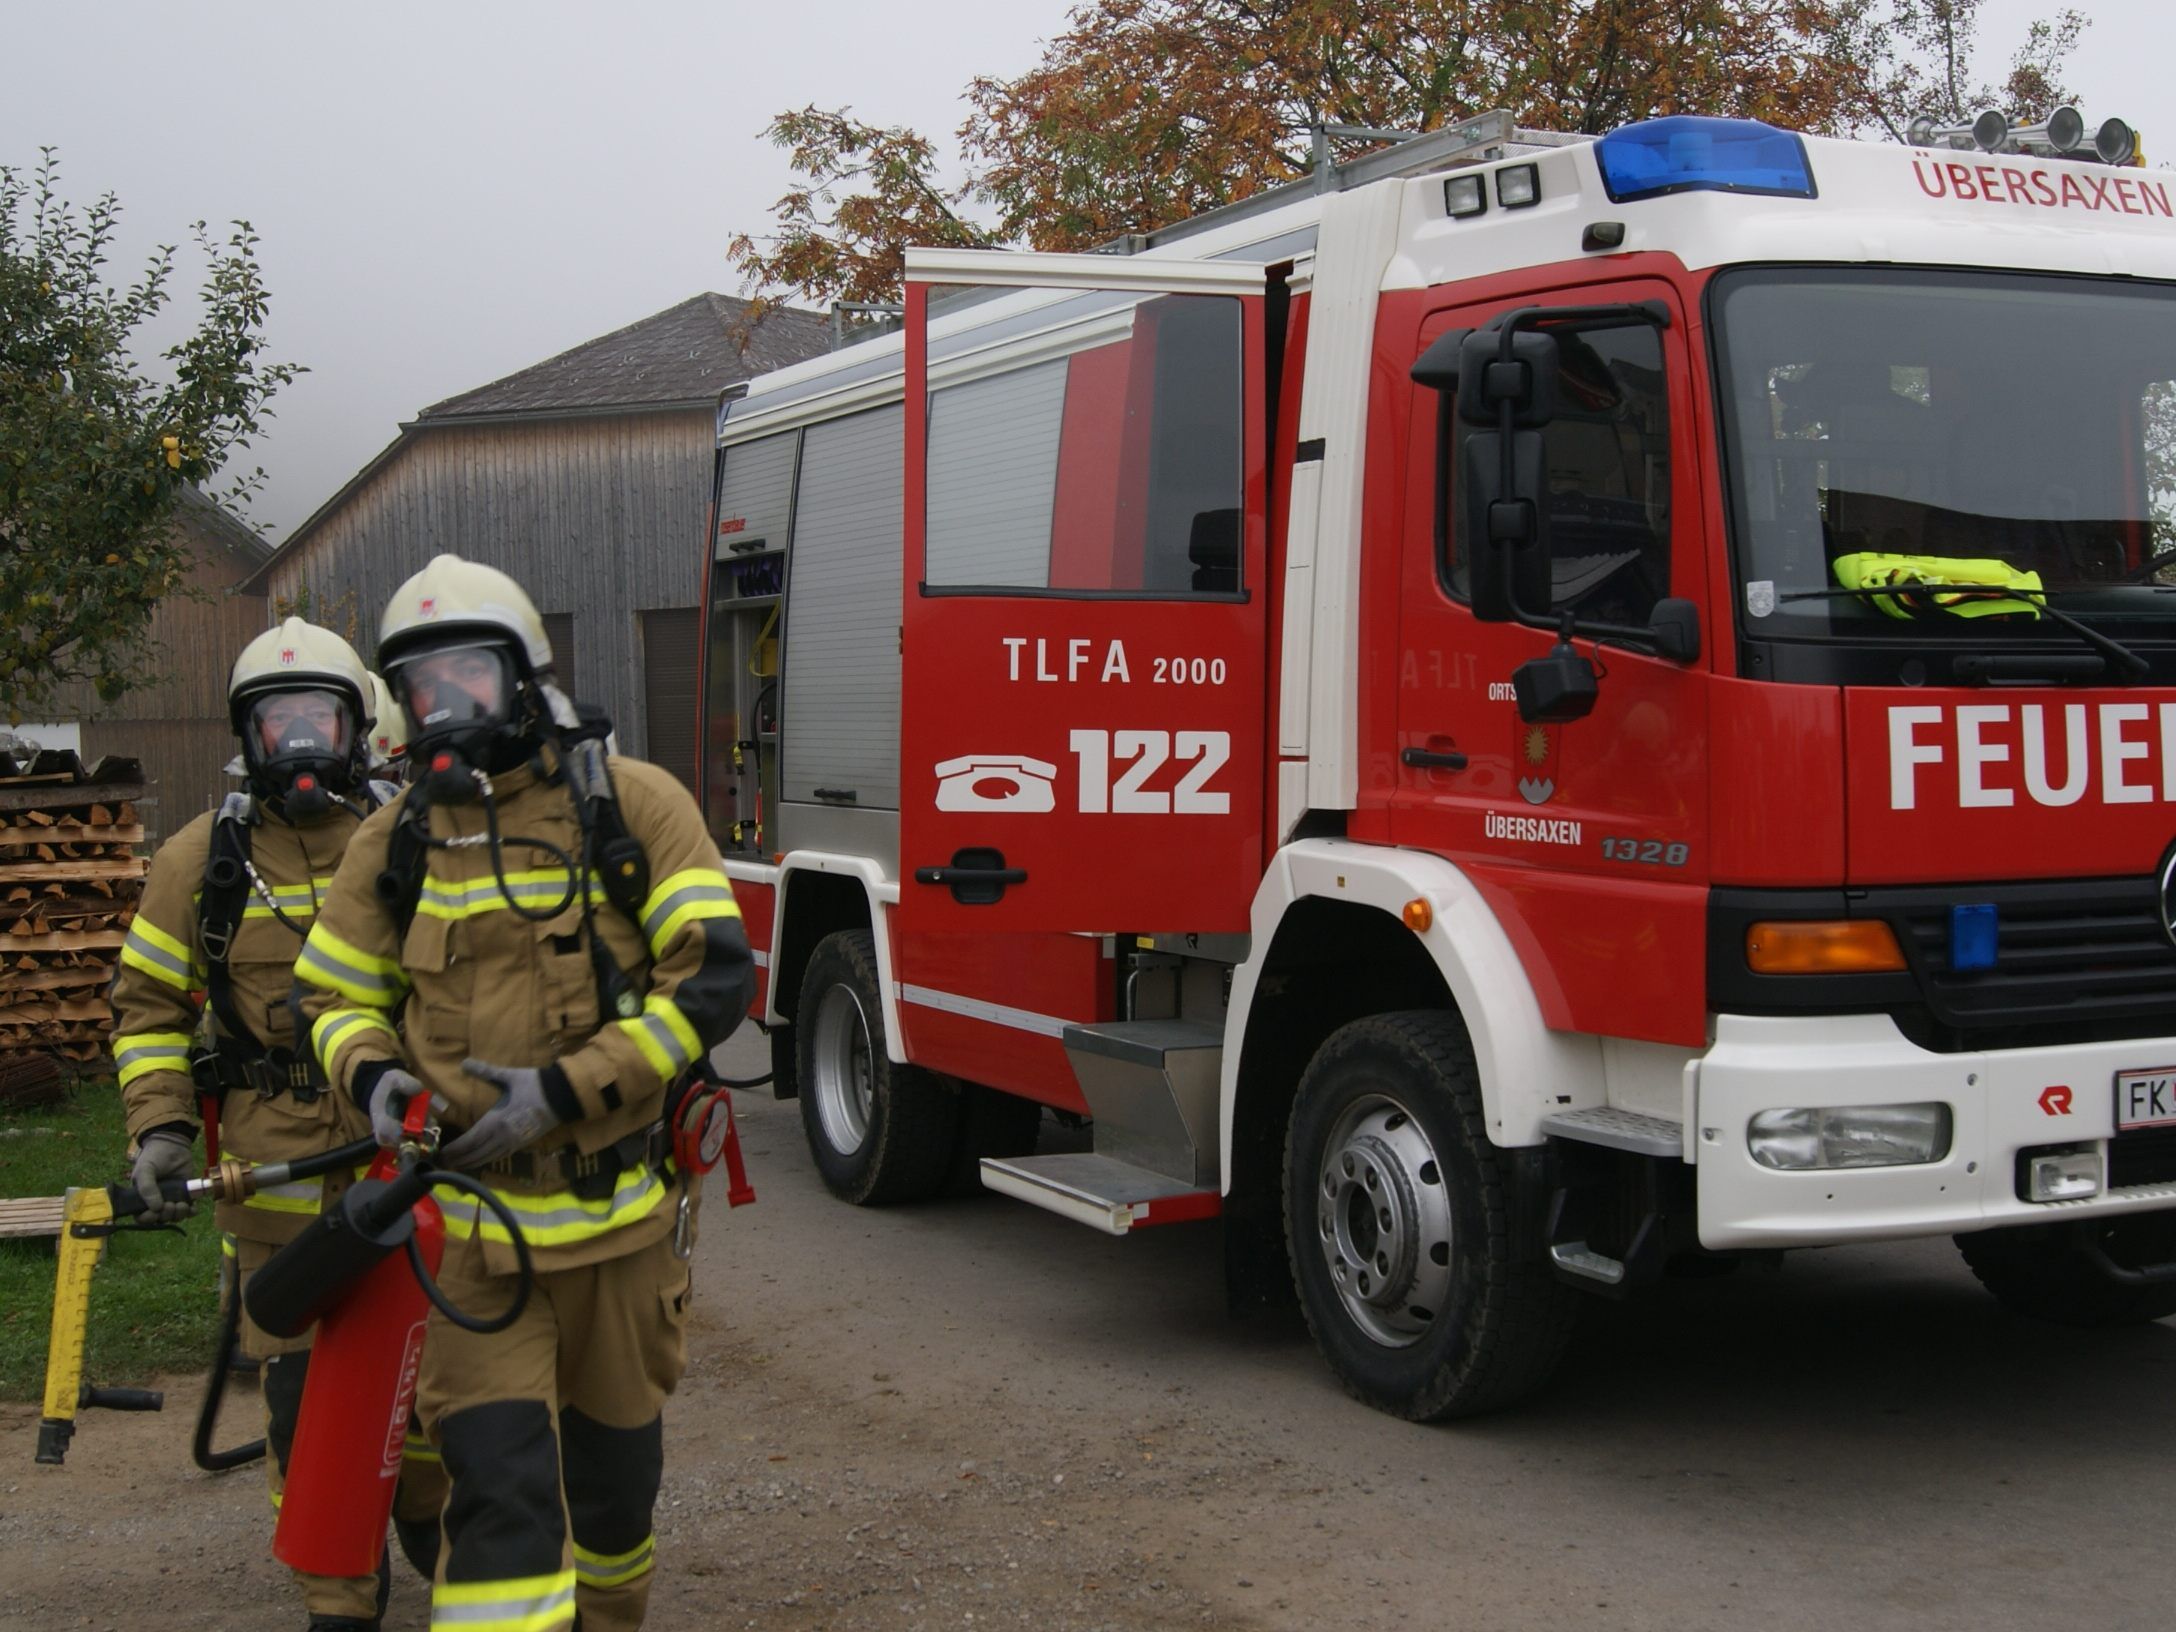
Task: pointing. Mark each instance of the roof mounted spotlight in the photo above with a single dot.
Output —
(2061, 135)
(2116, 143)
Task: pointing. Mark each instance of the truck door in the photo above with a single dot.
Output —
(1590, 838)
(1083, 663)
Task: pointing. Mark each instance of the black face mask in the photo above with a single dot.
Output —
(470, 713)
(300, 749)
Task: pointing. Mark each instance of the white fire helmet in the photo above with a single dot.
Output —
(389, 728)
(451, 598)
(282, 671)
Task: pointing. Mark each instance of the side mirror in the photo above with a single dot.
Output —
(1506, 532)
(1437, 368)
(1675, 626)
(1486, 382)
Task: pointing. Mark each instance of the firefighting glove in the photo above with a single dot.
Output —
(389, 1097)
(523, 1115)
(163, 1154)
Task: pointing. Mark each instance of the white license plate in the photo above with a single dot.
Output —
(2146, 1099)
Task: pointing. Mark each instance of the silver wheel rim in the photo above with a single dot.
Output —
(1383, 1222)
(845, 1088)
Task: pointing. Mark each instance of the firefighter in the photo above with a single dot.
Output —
(457, 952)
(225, 906)
(388, 732)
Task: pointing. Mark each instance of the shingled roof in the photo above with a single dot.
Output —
(684, 355)
(197, 512)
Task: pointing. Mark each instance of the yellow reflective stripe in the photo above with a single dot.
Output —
(419, 1450)
(663, 1036)
(157, 954)
(335, 1023)
(640, 1031)
(465, 898)
(227, 1247)
(614, 1569)
(330, 962)
(561, 1216)
(533, 1603)
(141, 1052)
(665, 1009)
(689, 895)
(306, 1196)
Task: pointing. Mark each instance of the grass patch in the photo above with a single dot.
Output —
(154, 1298)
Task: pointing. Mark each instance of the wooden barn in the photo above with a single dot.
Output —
(178, 725)
(587, 477)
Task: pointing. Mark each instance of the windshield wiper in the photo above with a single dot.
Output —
(2128, 663)
(2148, 567)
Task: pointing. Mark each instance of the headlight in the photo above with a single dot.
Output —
(1800, 1139)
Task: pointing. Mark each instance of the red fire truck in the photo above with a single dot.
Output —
(1525, 711)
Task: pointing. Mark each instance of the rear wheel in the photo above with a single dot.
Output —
(1426, 1292)
(879, 1132)
(2041, 1271)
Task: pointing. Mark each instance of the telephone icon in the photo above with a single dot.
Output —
(1025, 784)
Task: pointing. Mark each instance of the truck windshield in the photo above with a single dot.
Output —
(1984, 439)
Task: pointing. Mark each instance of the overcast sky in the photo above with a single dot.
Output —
(449, 192)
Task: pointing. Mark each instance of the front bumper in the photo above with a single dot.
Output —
(2000, 1103)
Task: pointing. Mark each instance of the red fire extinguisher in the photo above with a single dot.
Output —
(342, 1274)
(349, 1437)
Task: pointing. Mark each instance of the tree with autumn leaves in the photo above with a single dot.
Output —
(1145, 112)
(95, 450)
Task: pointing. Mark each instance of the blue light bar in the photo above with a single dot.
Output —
(1688, 153)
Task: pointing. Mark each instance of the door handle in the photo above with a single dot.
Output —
(976, 877)
(1431, 760)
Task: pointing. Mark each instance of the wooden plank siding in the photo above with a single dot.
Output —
(598, 516)
(177, 725)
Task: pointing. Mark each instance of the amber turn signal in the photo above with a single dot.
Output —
(1828, 947)
(1419, 915)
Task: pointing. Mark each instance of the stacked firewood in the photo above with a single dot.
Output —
(71, 870)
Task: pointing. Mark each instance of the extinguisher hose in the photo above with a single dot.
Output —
(215, 1389)
(747, 1082)
(525, 1270)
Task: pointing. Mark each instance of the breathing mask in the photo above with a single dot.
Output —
(299, 747)
(469, 711)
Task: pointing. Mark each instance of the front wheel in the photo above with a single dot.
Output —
(879, 1132)
(1422, 1280)
(2041, 1271)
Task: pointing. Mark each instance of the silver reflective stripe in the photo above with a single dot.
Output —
(679, 898)
(662, 1034)
(147, 1052)
(544, 1217)
(529, 1614)
(340, 973)
(158, 955)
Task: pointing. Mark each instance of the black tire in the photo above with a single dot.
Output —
(991, 1124)
(2041, 1272)
(1387, 1123)
(879, 1132)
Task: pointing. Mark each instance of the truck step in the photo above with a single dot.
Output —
(1635, 1131)
(1111, 1195)
(1577, 1258)
(1151, 1088)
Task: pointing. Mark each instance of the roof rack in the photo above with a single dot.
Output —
(1471, 141)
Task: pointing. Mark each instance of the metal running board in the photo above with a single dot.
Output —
(1634, 1131)
(1112, 1196)
(1577, 1258)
